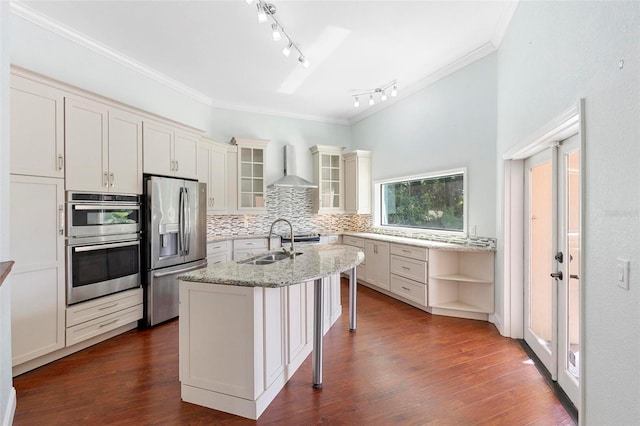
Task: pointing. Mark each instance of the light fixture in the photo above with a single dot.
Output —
(275, 33)
(268, 10)
(382, 91)
(287, 49)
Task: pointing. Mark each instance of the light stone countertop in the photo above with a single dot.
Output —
(316, 261)
(419, 242)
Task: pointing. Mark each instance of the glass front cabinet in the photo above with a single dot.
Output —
(328, 175)
(251, 174)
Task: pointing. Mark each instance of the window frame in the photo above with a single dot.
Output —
(377, 199)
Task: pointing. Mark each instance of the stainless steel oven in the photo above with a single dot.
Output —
(103, 244)
(93, 214)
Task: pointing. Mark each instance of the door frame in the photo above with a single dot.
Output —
(568, 123)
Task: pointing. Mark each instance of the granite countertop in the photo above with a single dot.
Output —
(419, 242)
(316, 261)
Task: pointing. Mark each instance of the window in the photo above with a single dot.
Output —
(434, 202)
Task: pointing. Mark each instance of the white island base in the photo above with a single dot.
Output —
(240, 345)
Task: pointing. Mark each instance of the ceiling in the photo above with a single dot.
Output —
(217, 51)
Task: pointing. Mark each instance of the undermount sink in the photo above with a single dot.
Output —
(267, 259)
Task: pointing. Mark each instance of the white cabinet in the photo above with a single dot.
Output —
(103, 148)
(92, 318)
(327, 174)
(38, 277)
(212, 170)
(169, 151)
(248, 247)
(408, 267)
(377, 255)
(361, 269)
(219, 251)
(252, 160)
(332, 303)
(37, 129)
(357, 182)
(461, 283)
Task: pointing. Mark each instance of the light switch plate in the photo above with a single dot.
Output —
(622, 273)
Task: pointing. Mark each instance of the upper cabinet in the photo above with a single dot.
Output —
(212, 170)
(103, 148)
(37, 126)
(251, 174)
(169, 151)
(328, 175)
(357, 182)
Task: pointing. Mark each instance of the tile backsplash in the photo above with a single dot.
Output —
(296, 205)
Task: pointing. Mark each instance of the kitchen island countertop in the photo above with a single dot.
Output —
(314, 262)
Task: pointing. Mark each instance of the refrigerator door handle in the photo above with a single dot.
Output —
(187, 216)
(181, 221)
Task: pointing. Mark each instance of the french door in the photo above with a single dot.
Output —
(552, 261)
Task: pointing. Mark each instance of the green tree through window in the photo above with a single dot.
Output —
(435, 203)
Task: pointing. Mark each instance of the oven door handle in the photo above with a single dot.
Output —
(179, 271)
(104, 207)
(105, 246)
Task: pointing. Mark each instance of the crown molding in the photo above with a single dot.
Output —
(25, 12)
(471, 57)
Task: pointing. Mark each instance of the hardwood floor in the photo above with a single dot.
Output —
(402, 366)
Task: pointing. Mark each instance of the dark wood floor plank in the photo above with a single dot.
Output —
(402, 366)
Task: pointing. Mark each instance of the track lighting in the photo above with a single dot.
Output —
(287, 49)
(275, 33)
(378, 90)
(268, 10)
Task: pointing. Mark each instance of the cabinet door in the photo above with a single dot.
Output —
(157, 149)
(218, 180)
(86, 145)
(186, 155)
(37, 129)
(377, 255)
(125, 152)
(38, 276)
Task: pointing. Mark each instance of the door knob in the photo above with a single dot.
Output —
(557, 275)
(559, 257)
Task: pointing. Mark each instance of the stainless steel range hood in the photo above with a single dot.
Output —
(291, 178)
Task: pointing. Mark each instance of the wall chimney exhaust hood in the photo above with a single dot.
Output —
(290, 178)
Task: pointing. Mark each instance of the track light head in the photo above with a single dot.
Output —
(275, 32)
(394, 91)
(371, 101)
(262, 15)
(287, 49)
(383, 97)
(356, 102)
(304, 61)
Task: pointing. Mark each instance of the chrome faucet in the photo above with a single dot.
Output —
(293, 252)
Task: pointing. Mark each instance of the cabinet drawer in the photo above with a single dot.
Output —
(250, 252)
(418, 253)
(348, 240)
(411, 290)
(329, 239)
(95, 327)
(83, 312)
(218, 247)
(409, 268)
(218, 258)
(250, 243)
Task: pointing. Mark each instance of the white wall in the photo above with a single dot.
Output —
(7, 394)
(38, 49)
(450, 124)
(553, 54)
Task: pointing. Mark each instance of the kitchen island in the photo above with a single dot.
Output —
(245, 328)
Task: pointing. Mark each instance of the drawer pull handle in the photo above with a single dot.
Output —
(406, 268)
(107, 307)
(406, 251)
(405, 288)
(109, 323)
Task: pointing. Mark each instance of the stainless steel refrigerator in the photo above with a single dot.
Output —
(175, 241)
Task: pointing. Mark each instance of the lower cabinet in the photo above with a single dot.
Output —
(408, 265)
(377, 255)
(38, 276)
(249, 247)
(219, 251)
(94, 317)
(257, 336)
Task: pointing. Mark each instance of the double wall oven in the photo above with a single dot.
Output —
(103, 244)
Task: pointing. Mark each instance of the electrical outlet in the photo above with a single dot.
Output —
(622, 273)
(472, 230)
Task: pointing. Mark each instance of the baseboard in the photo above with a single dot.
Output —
(7, 419)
